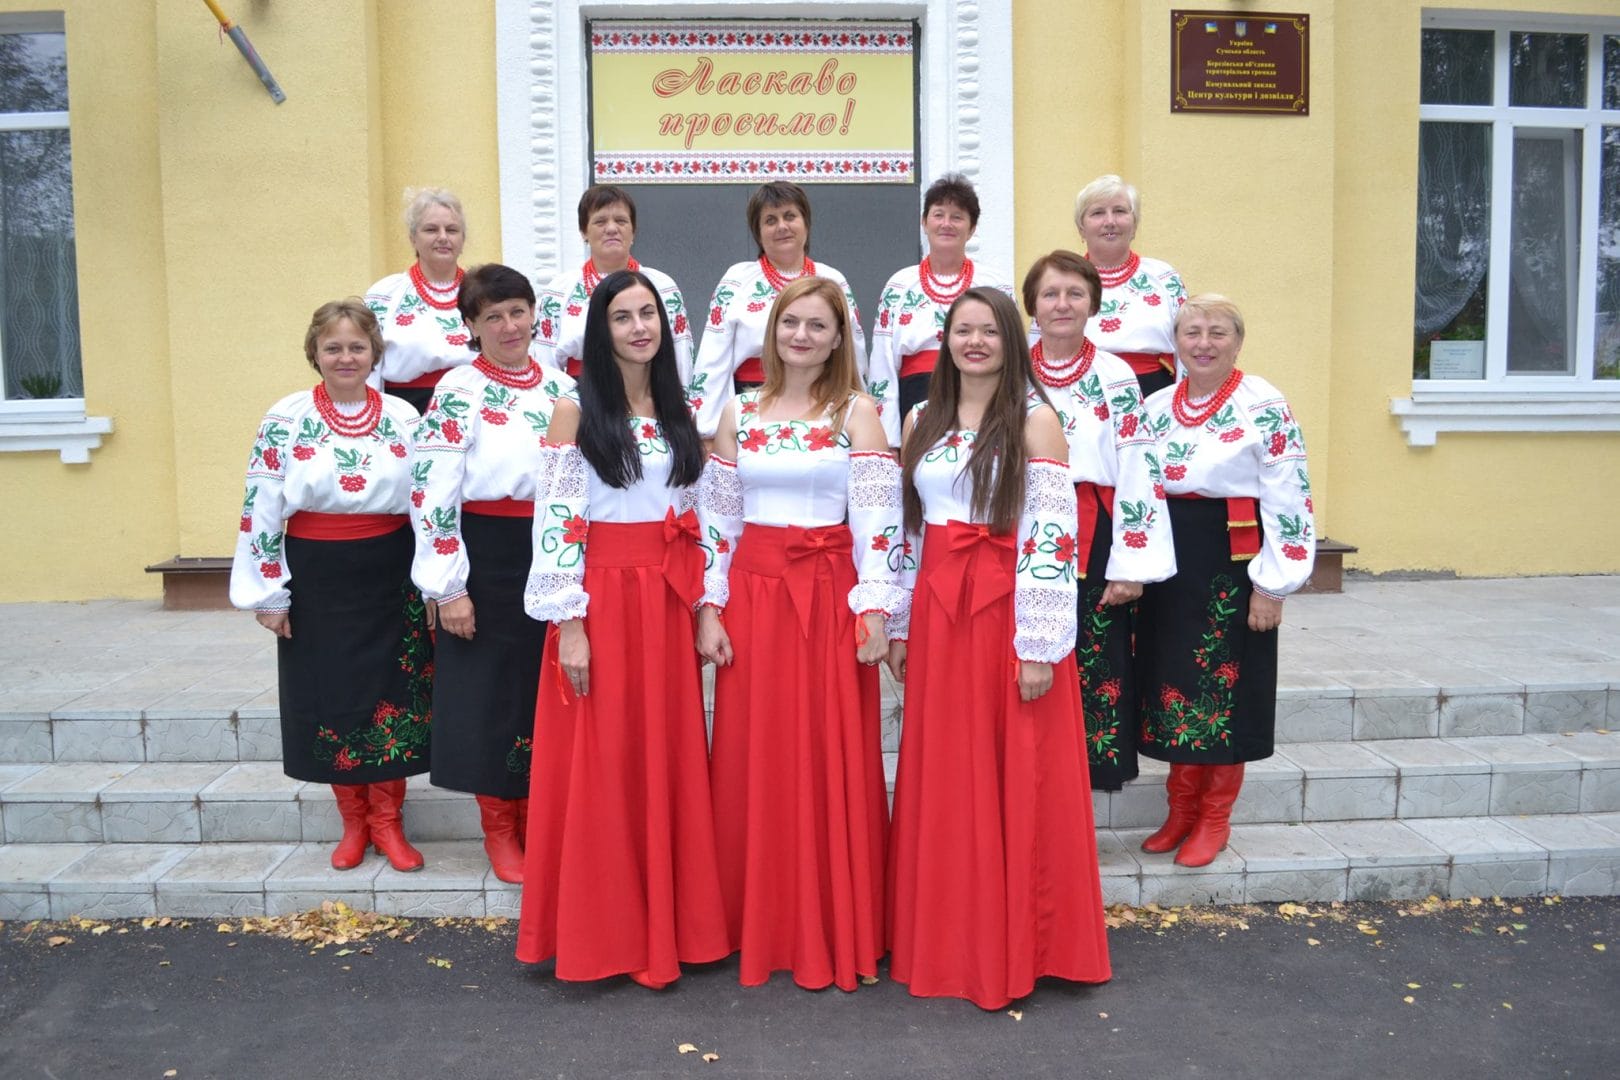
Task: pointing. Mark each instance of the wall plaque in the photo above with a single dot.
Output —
(1248, 62)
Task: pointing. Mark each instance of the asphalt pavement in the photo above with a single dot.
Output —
(1522, 988)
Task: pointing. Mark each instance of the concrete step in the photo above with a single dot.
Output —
(1404, 779)
(1315, 709)
(1568, 854)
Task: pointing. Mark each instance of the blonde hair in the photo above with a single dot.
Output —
(839, 377)
(1106, 187)
(1212, 305)
(419, 200)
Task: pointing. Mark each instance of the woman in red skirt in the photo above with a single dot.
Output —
(801, 525)
(619, 871)
(993, 869)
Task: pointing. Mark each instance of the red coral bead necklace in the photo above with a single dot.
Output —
(942, 290)
(1067, 373)
(593, 279)
(357, 426)
(1185, 413)
(443, 297)
(778, 280)
(524, 378)
(1115, 276)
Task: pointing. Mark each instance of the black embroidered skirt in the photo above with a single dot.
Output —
(1207, 684)
(1107, 672)
(484, 689)
(356, 676)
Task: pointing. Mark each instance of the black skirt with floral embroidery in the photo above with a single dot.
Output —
(1207, 684)
(356, 676)
(1107, 675)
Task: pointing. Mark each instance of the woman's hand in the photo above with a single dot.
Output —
(875, 646)
(1034, 680)
(1121, 592)
(432, 613)
(897, 660)
(456, 617)
(278, 623)
(713, 643)
(574, 655)
(1264, 613)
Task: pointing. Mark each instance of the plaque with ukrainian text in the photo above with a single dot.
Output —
(1246, 62)
(733, 102)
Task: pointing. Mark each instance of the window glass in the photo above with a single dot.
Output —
(1607, 360)
(33, 72)
(1548, 70)
(1454, 245)
(1545, 249)
(1457, 67)
(1611, 72)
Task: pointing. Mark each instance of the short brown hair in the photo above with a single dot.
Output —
(778, 193)
(953, 188)
(1064, 262)
(600, 197)
(334, 311)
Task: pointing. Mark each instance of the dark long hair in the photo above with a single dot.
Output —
(996, 463)
(604, 433)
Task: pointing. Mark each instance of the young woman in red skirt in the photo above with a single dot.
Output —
(801, 526)
(993, 870)
(620, 875)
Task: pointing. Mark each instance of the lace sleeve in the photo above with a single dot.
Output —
(556, 588)
(875, 522)
(1044, 591)
(720, 519)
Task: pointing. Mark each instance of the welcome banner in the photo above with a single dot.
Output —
(733, 102)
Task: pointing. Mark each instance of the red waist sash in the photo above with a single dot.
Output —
(919, 363)
(1242, 524)
(798, 556)
(969, 567)
(750, 371)
(1086, 533)
(513, 508)
(1146, 363)
(670, 544)
(310, 525)
(421, 382)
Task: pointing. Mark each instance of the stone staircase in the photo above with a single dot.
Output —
(140, 774)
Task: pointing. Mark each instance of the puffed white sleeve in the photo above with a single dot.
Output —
(712, 368)
(1045, 584)
(680, 327)
(379, 299)
(1287, 522)
(1142, 550)
(259, 573)
(442, 441)
(882, 369)
(720, 522)
(855, 324)
(876, 521)
(556, 588)
(548, 324)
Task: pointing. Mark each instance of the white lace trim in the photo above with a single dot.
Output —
(720, 516)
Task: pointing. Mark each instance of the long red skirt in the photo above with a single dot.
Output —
(619, 873)
(993, 877)
(797, 768)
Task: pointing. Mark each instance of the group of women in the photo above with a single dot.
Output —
(1068, 554)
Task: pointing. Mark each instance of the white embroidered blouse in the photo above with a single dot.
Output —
(735, 332)
(908, 321)
(417, 337)
(570, 497)
(561, 313)
(1110, 439)
(299, 463)
(1140, 315)
(479, 441)
(794, 472)
(1251, 447)
(1045, 590)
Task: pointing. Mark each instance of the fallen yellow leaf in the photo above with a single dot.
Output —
(57, 939)
(171, 1072)
(1414, 986)
(1171, 918)
(711, 1057)
(97, 931)
(1312, 941)
(686, 1048)
(226, 928)
(1600, 947)
(1507, 1005)
(1016, 1014)
(439, 962)
(1409, 999)
(163, 963)
(1102, 1016)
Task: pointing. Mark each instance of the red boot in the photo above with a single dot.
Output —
(1214, 826)
(351, 805)
(1182, 789)
(501, 837)
(523, 823)
(386, 830)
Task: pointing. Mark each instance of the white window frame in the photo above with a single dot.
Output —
(964, 100)
(1532, 402)
(59, 424)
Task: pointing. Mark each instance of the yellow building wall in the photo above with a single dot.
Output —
(1309, 223)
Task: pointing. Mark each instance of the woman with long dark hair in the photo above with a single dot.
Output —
(993, 877)
(478, 451)
(621, 877)
(801, 526)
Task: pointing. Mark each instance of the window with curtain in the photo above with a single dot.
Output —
(39, 301)
(1518, 222)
